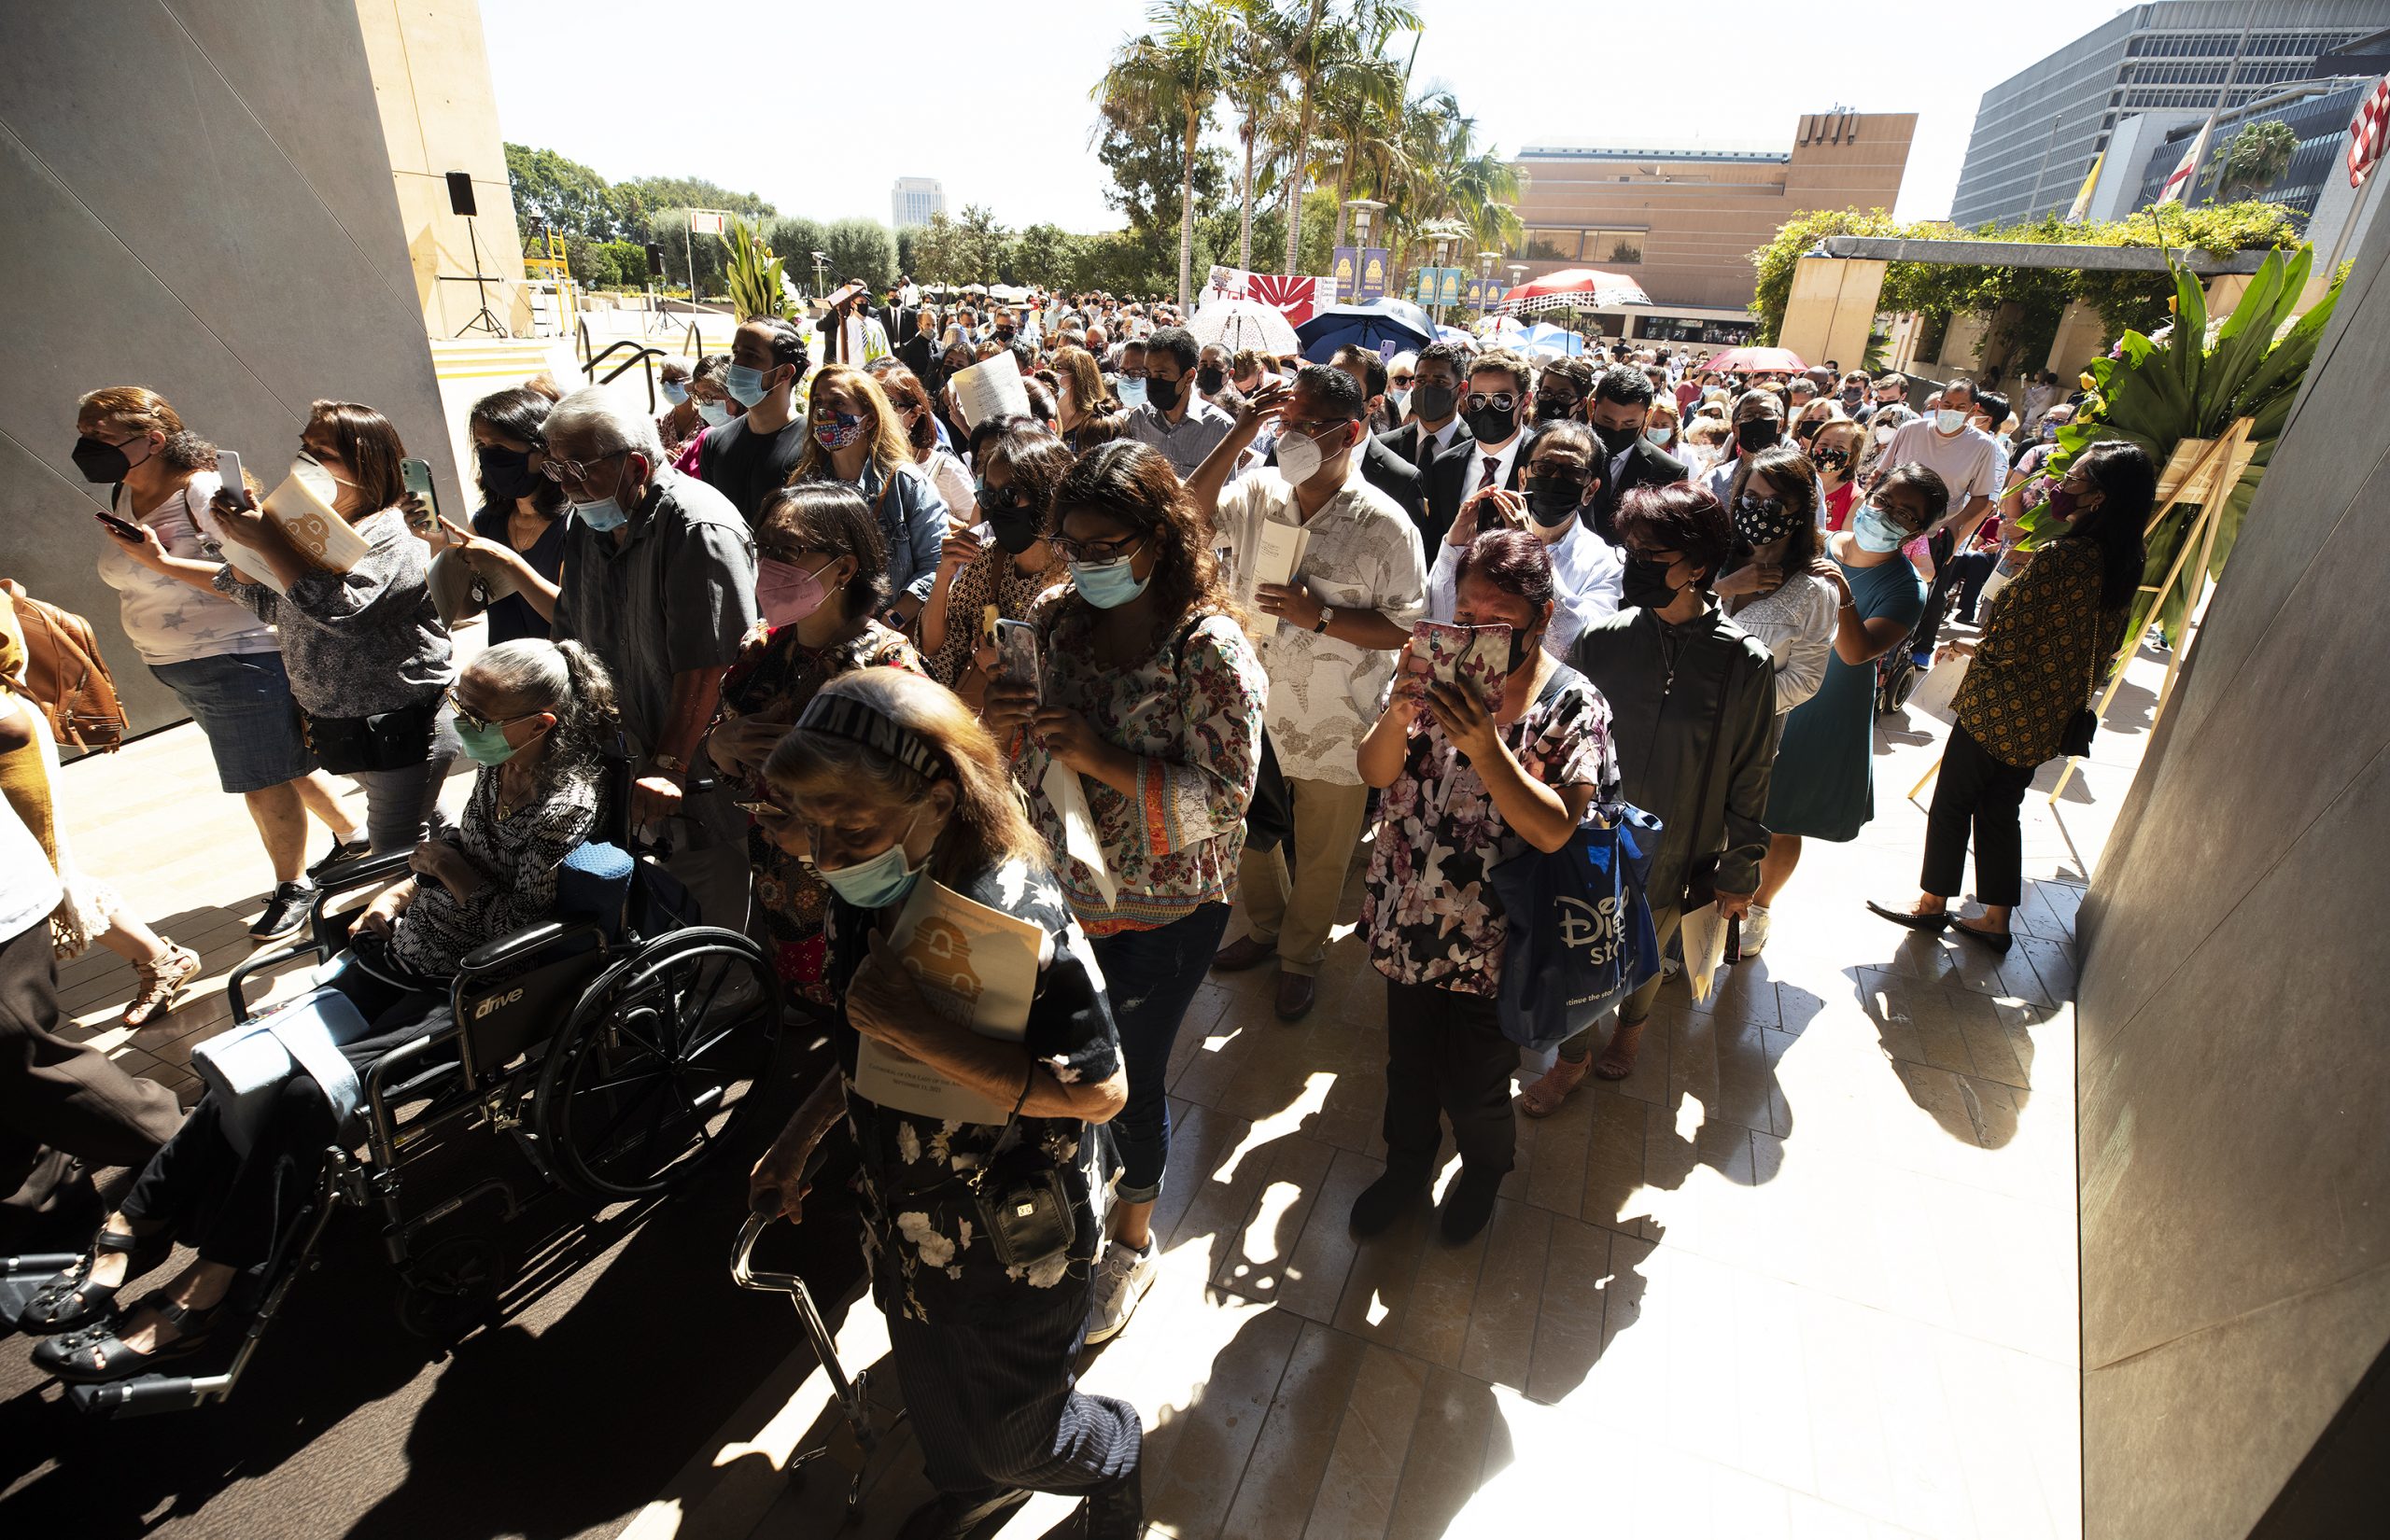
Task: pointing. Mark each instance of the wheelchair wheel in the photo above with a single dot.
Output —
(654, 1067)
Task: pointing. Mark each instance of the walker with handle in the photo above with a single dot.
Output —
(855, 1440)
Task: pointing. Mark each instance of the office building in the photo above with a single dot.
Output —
(1683, 219)
(914, 198)
(2038, 131)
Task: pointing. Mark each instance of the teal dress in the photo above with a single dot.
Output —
(1824, 784)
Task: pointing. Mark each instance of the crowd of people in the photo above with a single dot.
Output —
(782, 597)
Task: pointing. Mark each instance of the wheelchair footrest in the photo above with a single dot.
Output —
(22, 1278)
(142, 1395)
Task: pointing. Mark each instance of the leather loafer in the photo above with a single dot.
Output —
(1243, 953)
(1997, 940)
(961, 1516)
(1296, 992)
(1930, 924)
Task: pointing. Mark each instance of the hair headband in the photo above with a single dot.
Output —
(844, 716)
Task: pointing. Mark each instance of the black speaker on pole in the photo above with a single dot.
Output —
(655, 260)
(460, 201)
(460, 193)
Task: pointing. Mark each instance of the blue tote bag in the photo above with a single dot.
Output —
(1580, 937)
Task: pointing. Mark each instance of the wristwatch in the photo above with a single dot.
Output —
(1327, 613)
(672, 762)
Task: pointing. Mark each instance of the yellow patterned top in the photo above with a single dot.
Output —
(2041, 655)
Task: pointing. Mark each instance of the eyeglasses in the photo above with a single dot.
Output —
(1502, 400)
(1098, 552)
(1136, 373)
(576, 472)
(1399, 382)
(476, 722)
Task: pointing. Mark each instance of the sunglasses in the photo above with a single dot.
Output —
(1502, 400)
(1097, 552)
(475, 721)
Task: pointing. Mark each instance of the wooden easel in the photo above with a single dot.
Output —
(2203, 471)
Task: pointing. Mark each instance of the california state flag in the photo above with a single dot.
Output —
(2178, 186)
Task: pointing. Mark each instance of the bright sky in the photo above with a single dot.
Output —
(1002, 115)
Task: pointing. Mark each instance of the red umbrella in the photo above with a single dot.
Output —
(1582, 287)
(1755, 360)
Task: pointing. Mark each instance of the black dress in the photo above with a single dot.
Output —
(987, 1353)
(511, 618)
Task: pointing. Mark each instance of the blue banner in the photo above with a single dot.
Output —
(1373, 275)
(1346, 269)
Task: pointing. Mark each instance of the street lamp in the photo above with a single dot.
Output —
(820, 259)
(1485, 261)
(1360, 209)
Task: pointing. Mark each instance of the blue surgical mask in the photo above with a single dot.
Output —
(602, 515)
(1131, 392)
(485, 743)
(714, 413)
(675, 391)
(745, 384)
(882, 880)
(1878, 533)
(1107, 586)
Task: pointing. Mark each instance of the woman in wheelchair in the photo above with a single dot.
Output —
(979, 1231)
(820, 574)
(535, 716)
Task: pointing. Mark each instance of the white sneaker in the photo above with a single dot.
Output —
(1752, 934)
(1121, 1278)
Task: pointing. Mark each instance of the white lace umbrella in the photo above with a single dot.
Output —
(1237, 324)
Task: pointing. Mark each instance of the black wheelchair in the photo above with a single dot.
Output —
(615, 1045)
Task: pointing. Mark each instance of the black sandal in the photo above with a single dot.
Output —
(1999, 941)
(1930, 924)
(97, 1355)
(71, 1300)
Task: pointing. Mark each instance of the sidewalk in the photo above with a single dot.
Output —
(1810, 1272)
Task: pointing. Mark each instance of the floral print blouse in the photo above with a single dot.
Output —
(1191, 712)
(517, 851)
(1429, 903)
(775, 683)
(991, 578)
(921, 1239)
(2041, 657)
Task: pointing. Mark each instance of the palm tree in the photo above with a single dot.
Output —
(1310, 60)
(1175, 71)
(1360, 103)
(1449, 181)
(1262, 38)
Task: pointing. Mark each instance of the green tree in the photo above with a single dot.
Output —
(564, 195)
(654, 192)
(983, 245)
(1361, 110)
(2255, 160)
(1174, 73)
(796, 238)
(860, 248)
(937, 252)
(1044, 254)
(909, 253)
(1257, 46)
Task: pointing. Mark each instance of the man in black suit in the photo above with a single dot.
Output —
(1620, 408)
(1501, 394)
(895, 318)
(1439, 377)
(918, 351)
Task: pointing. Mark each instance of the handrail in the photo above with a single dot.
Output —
(640, 354)
(695, 347)
(583, 345)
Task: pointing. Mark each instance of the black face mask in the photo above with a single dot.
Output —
(1555, 499)
(1758, 434)
(1645, 584)
(101, 462)
(1162, 393)
(1209, 381)
(1522, 648)
(506, 473)
(1434, 401)
(1014, 526)
(1616, 440)
(1491, 425)
(1552, 408)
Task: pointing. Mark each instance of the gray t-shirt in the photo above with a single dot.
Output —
(1187, 441)
(676, 593)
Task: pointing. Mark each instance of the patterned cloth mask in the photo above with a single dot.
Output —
(1760, 520)
(838, 430)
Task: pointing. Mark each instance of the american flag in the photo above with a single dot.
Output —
(2370, 132)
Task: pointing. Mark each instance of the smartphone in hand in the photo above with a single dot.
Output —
(1016, 654)
(228, 470)
(416, 475)
(127, 532)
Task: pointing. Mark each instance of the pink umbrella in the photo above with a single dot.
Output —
(1755, 360)
(1577, 287)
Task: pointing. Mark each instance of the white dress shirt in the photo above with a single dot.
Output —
(1587, 574)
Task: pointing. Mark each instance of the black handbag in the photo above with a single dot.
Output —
(392, 740)
(2075, 739)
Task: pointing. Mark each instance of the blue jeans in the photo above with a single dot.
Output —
(1150, 976)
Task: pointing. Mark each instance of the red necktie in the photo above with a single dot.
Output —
(1491, 461)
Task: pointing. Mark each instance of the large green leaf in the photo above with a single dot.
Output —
(2242, 341)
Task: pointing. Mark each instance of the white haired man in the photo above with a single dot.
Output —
(659, 581)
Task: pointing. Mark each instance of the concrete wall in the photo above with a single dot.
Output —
(2233, 1072)
(431, 81)
(199, 201)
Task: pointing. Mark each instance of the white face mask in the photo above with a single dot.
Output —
(1299, 459)
(1949, 420)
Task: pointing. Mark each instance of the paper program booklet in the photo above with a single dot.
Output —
(973, 963)
(301, 507)
(1277, 554)
(990, 388)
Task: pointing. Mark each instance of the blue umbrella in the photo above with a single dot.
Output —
(1374, 326)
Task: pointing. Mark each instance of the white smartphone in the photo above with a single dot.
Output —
(416, 475)
(228, 466)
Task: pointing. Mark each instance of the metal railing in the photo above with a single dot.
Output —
(639, 354)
